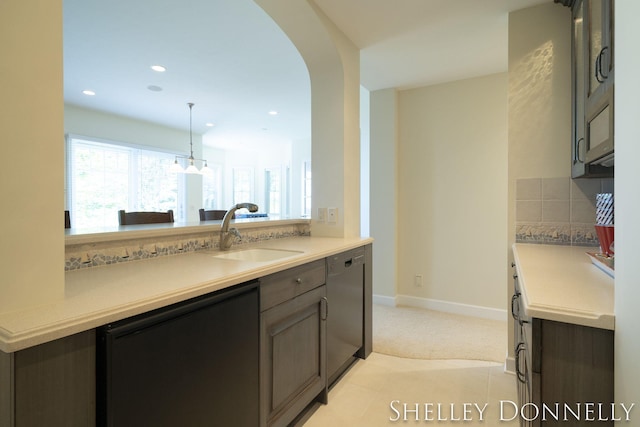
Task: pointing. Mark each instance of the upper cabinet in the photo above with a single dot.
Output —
(592, 88)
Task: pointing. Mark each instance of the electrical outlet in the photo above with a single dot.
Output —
(418, 280)
(332, 215)
(322, 214)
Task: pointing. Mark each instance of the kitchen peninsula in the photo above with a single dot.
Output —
(57, 341)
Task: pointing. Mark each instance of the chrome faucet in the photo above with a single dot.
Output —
(226, 234)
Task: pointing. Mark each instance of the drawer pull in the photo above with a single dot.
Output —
(520, 375)
(514, 304)
(298, 280)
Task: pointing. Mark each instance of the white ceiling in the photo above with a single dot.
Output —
(412, 43)
(234, 63)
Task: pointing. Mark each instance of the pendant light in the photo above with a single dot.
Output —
(191, 168)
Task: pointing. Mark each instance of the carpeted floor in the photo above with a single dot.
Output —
(426, 334)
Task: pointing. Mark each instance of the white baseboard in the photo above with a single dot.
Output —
(449, 307)
(510, 365)
(384, 300)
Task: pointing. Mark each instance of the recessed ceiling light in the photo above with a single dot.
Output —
(154, 88)
(273, 113)
(88, 92)
(210, 125)
(158, 68)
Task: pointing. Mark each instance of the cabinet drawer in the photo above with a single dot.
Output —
(285, 285)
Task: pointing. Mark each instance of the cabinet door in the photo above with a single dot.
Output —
(53, 383)
(571, 364)
(592, 88)
(600, 39)
(579, 69)
(293, 356)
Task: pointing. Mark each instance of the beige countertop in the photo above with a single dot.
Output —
(100, 295)
(560, 283)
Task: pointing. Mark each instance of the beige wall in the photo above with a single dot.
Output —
(333, 62)
(32, 115)
(383, 192)
(539, 107)
(627, 176)
(452, 191)
(539, 96)
(85, 122)
(540, 92)
(31, 178)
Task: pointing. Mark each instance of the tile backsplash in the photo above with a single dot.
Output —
(558, 211)
(108, 252)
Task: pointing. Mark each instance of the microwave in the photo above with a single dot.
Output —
(599, 132)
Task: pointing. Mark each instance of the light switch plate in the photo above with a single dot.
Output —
(332, 215)
(322, 214)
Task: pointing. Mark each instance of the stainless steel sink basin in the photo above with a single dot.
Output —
(257, 254)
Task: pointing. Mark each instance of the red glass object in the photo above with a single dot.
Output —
(605, 236)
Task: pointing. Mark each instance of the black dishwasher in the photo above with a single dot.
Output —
(345, 319)
(194, 363)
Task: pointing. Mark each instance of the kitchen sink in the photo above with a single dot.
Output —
(257, 254)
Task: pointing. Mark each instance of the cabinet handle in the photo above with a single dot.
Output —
(299, 281)
(513, 264)
(600, 76)
(514, 300)
(515, 276)
(325, 308)
(605, 68)
(596, 68)
(521, 376)
(577, 158)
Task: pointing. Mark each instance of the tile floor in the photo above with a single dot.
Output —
(365, 394)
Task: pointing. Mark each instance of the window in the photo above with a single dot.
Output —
(212, 189)
(306, 190)
(272, 186)
(242, 185)
(105, 177)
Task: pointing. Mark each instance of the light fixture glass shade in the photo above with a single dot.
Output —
(191, 169)
(206, 170)
(175, 167)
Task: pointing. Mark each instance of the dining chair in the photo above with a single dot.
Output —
(128, 218)
(214, 214)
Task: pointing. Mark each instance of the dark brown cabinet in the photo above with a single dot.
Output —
(560, 364)
(55, 383)
(592, 88)
(572, 365)
(293, 342)
(579, 76)
(51, 384)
